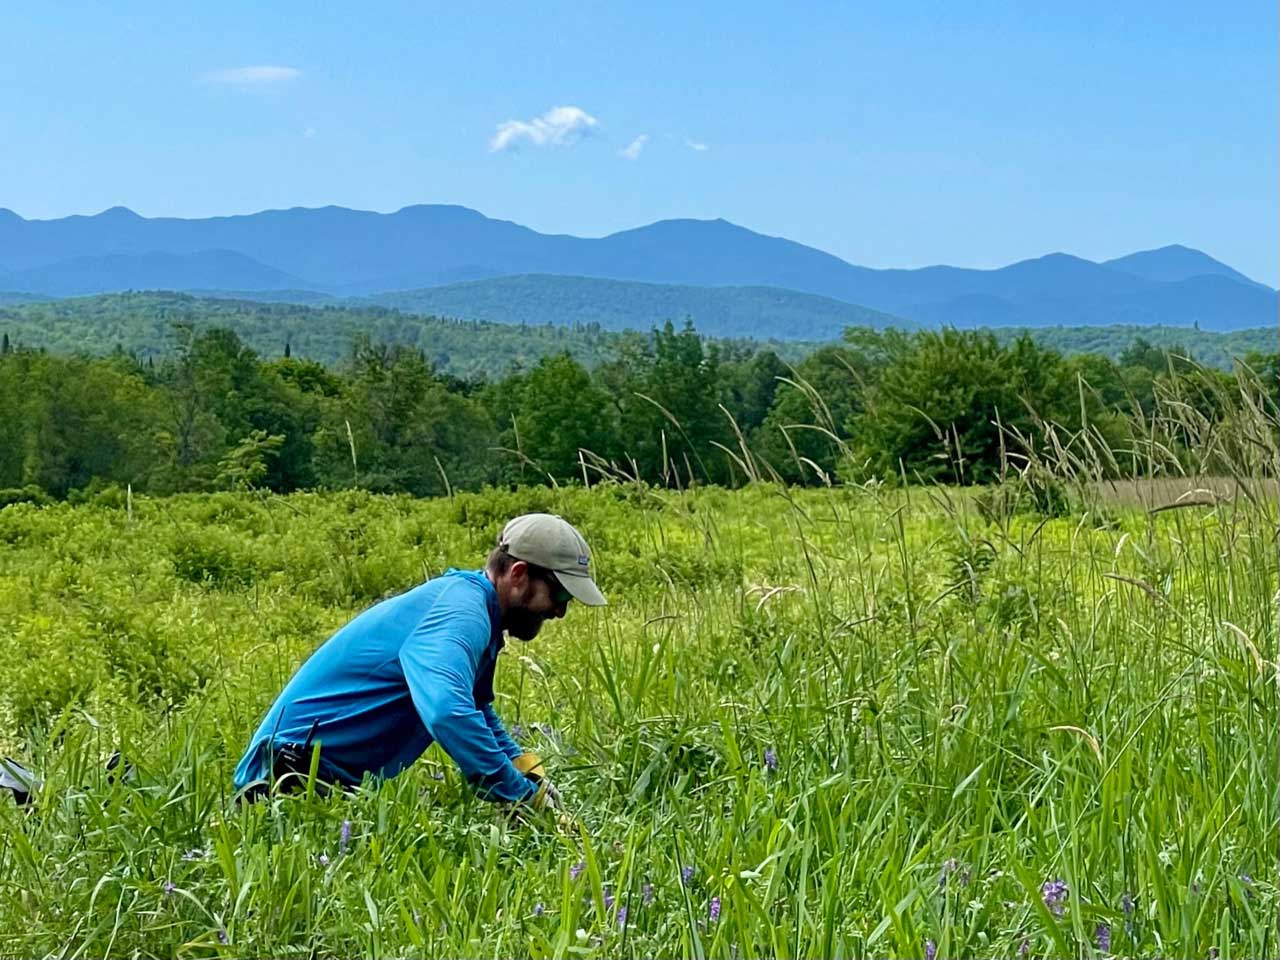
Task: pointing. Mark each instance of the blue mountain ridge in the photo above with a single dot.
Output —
(352, 253)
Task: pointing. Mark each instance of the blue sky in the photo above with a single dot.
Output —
(891, 134)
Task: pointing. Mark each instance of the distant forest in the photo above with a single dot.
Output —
(142, 324)
(165, 393)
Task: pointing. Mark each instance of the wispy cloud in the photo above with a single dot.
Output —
(558, 127)
(633, 151)
(253, 76)
(698, 147)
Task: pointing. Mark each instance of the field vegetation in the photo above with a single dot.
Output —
(927, 644)
(1029, 717)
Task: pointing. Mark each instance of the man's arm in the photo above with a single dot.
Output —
(505, 742)
(439, 662)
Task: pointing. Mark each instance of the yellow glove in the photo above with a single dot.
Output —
(530, 764)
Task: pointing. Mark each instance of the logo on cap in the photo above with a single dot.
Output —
(583, 561)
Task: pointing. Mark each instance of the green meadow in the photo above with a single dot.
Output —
(847, 721)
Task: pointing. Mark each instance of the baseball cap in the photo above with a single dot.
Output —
(549, 541)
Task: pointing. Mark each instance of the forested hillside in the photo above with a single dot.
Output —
(669, 407)
(759, 312)
(142, 324)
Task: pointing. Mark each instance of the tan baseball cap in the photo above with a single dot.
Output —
(549, 541)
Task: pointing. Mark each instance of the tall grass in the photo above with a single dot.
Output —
(858, 720)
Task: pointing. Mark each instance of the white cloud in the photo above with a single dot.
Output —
(309, 133)
(559, 126)
(633, 151)
(694, 145)
(253, 76)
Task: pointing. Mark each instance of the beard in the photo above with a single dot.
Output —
(522, 623)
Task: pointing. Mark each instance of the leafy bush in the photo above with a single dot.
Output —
(27, 494)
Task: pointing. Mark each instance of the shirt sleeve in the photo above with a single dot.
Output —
(505, 743)
(439, 661)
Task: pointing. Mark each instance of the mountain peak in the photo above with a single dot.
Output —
(441, 209)
(117, 213)
(1172, 263)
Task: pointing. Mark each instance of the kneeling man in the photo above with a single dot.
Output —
(418, 668)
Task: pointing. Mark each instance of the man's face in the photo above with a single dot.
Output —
(538, 597)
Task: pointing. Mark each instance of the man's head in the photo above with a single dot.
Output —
(540, 564)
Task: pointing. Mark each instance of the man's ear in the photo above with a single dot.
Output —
(518, 572)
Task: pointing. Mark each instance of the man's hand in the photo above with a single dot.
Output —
(547, 797)
(530, 764)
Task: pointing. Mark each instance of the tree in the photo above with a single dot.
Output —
(409, 431)
(750, 384)
(811, 413)
(559, 411)
(245, 465)
(668, 398)
(938, 410)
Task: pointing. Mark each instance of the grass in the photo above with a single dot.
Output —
(963, 708)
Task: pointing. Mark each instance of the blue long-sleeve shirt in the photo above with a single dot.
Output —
(408, 671)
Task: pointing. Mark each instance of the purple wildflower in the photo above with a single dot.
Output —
(344, 836)
(323, 859)
(1024, 948)
(222, 936)
(646, 894)
(608, 899)
(930, 950)
(1248, 885)
(622, 916)
(1126, 903)
(517, 731)
(538, 909)
(1054, 893)
(770, 759)
(169, 887)
(714, 911)
(686, 874)
(1103, 935)
(1213, 953)
(194, 855)
(576, 870)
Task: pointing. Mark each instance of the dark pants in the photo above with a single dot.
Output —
(290, 770)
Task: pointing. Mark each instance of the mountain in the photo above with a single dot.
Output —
(345, 253)
(214, 269)
(1175, 262)
(1207, 301)
(537, 299)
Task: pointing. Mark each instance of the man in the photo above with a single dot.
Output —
(418, 668)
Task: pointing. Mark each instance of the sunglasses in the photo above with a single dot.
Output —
(559, 595)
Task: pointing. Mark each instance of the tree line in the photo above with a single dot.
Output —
(670, 408)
